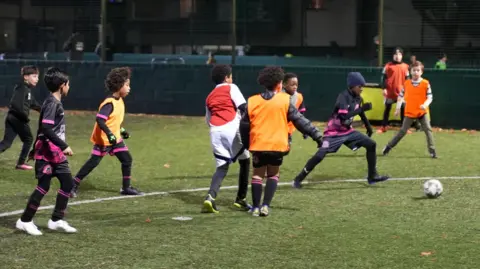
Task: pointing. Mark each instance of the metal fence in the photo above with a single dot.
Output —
(365, 31)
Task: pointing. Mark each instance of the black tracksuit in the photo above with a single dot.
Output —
(16, 122)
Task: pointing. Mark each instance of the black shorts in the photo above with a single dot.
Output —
(43, 168)
(262, 158)
(111, 150)
(353, 141)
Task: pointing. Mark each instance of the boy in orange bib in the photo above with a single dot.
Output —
(417, 95)
(108, 133)
(290, 86)
(264, 131)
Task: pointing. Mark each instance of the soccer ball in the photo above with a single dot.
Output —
(432, 188)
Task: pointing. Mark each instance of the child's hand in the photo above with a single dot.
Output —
(112, 139)
(124, 133)
(68, 151)
(397, 111)
(423, 107)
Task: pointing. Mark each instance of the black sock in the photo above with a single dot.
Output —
(217, 180)
(243, 179)
(66, 184)
(372, 163)
(270, 189)
(60, 205)
(314, 161)
(126, 160)
(257, 189)
(33, 204)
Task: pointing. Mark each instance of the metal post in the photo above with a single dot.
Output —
(103, 36)
(380, 32)
(234, 30)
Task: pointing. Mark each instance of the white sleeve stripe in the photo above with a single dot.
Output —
(236, 95)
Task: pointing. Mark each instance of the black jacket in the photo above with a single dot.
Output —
(22, 101)
(299, 121)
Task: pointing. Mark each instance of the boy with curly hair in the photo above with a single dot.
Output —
(108, 133)
(264, 131)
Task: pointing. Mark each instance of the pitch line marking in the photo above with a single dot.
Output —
(164, 193)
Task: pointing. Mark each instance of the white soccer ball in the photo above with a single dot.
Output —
(432, 188)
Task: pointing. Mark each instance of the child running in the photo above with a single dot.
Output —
(16, 122)
(339, 131)
(50, 151)
(418, 96)
(108, 133)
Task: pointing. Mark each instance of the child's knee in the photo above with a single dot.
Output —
(127, 160)
(370, 144)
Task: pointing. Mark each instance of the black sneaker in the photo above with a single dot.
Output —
(386, 150)
(242, 204)
(209, 205)
(74, 191)
(433, 155)
(130, 191)
(377, 178)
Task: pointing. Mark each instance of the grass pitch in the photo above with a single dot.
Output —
(325, 225)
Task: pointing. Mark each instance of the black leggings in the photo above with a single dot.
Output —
(123, 156)
(14, 127)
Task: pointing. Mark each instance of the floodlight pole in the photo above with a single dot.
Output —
(234, 30)
(380, 32)
(103, 36)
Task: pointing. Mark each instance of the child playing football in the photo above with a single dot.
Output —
(290, 86)
(50, 153)
(264, 131)
(417, 95)
(108, 133)
(16, 122)
(224, 106)
(339, 131)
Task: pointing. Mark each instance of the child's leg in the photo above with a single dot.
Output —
(361, 140)
(407, 122)
(66, 185)
(43, 173)
(259, 170)
(217, 179)
(26, 136)
(8, 137)
(402, 112)
(273, 175)
(88, 167)
(386, 114)
(243, 179)
(126, 160)
(427, 128)
(329, 145)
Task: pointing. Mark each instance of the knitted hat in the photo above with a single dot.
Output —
(355, 79)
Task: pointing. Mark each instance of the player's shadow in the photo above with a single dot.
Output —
(86, 186)
(197, 199)
(209, 176)
(355, 155)
(9, 223)
(420, 198)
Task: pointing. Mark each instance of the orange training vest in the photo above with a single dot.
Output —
(291, 127)
(268, 122)
(114, 122)
(414, 97)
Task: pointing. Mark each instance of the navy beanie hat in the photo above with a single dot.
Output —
(355, 79)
